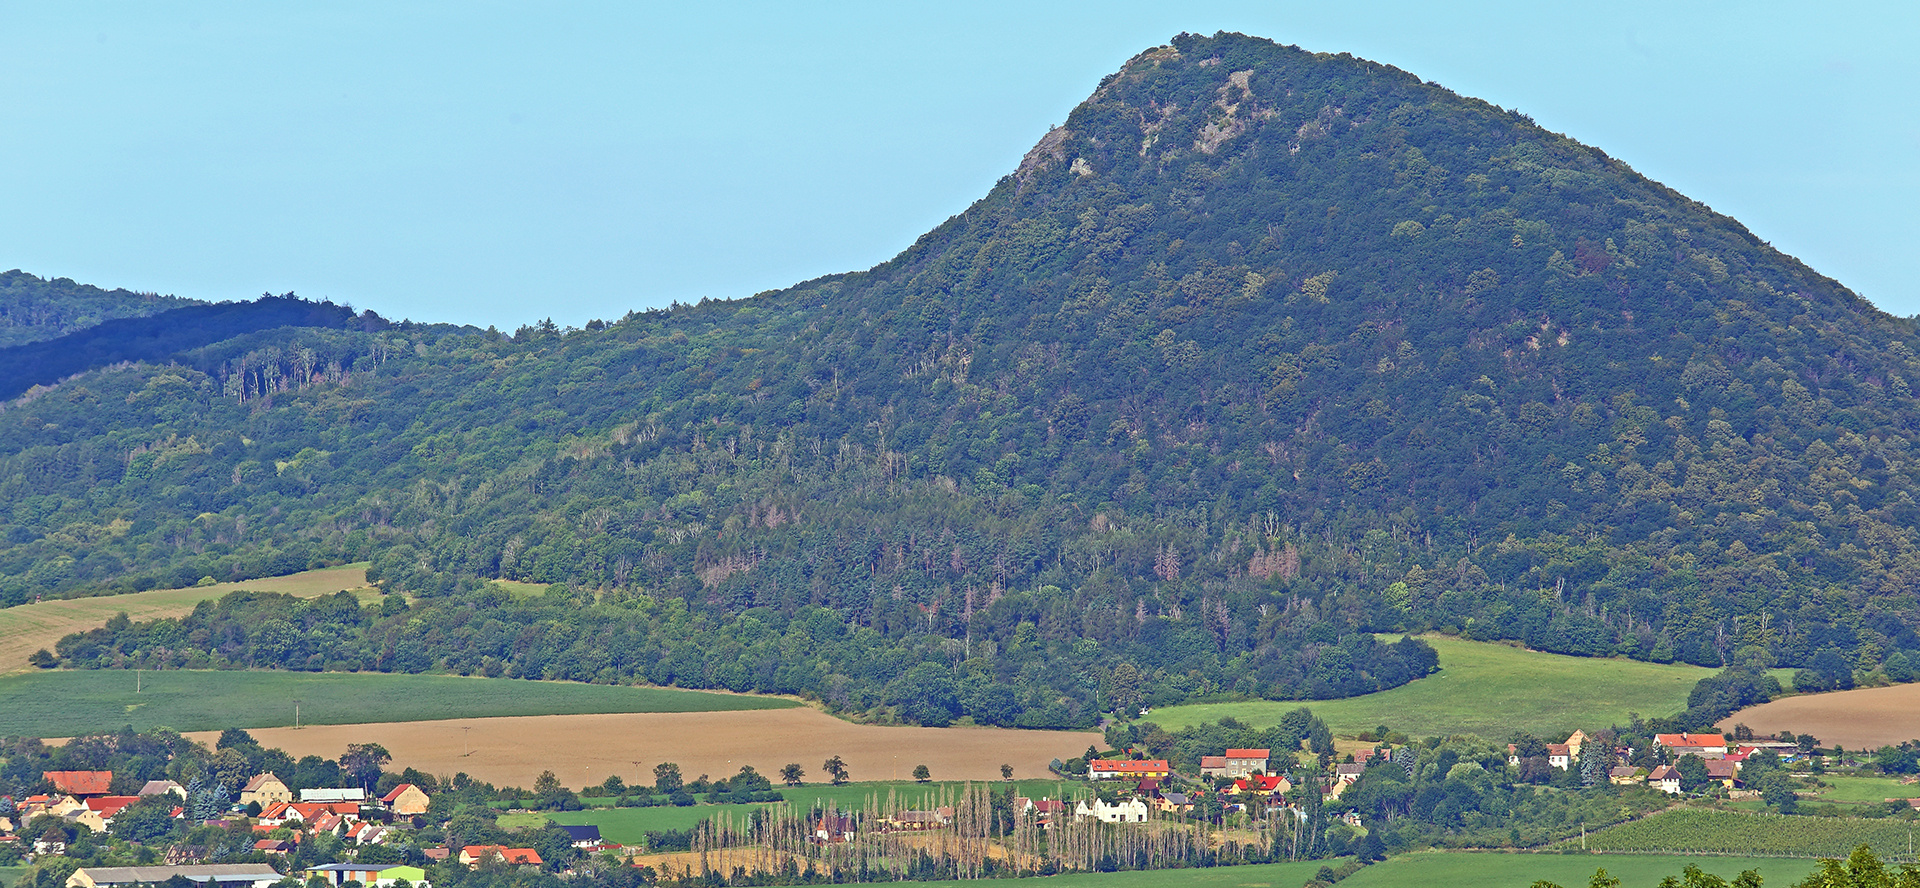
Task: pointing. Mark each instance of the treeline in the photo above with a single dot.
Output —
(1260, 353)
(1024, 660)
(34, 309)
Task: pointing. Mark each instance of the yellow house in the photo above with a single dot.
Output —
(406, 799)
(265, 789)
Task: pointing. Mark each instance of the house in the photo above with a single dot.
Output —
(1575, 742)
(918, 820)
(1665, 778)
(1624, 775)
(1124, 811)
(406, 799)
(368, 833)
(1267, 784)
(1726, 771)
(58, 806)
(331, 796)
(1560, 755)
(837, 829)
(475, 855)
(80, 784)
(264, 790)
(584, 837)
(437, 855)
(275, 846)
(1707, 745)
(108, 806)
(1043, 809)
(215, 875)
(372, 875)
(1128, 769)
(1242, 762)
(1213, 766)
(1173, 803)
(162, 787)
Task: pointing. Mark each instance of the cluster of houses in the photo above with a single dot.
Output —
(1723, 760)
(86, 798)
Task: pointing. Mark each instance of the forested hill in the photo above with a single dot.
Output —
(164, 335)
(1258, 352)
(33, 309)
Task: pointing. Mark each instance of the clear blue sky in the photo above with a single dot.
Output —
(496, 163)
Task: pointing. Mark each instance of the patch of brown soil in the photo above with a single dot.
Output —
(583, 750)
(1866, 717)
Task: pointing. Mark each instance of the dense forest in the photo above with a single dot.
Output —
(1259, 353)
(33, 309)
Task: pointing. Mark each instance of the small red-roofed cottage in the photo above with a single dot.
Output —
(475, 855)
(1127, 769)
(108, 806)
(81, 784)
(1665, 778)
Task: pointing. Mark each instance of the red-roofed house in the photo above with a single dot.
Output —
(475, 855)
(1560, 755)
(1693, 744)
(1270, 784)
(1111, 769)
(107, 806)
(81, 783)
(406, 799)
(1241, 762)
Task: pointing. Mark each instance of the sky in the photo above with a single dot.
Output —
(500, 163)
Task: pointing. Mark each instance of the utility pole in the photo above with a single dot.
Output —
(296, 714)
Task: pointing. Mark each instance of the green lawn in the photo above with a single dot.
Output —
(1866, 789)
(1495, 870)
(65, 703)
(10, 874)
(1487, 689)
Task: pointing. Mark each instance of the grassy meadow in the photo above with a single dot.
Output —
(66, 703)
(30, 627)
(10, 875)
(1487, 689)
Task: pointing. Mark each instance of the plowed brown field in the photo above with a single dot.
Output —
(1867, 717)
(582, 750)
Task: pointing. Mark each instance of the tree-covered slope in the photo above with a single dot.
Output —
(1260, 351)
(33, 309)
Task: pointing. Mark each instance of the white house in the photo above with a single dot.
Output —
(1127, 811)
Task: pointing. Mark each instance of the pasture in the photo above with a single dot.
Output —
(1457, 869)
(1864, 790)
(65, 703)
(582, 750)
(1856, 719)
(1487, 689)
(30, 627)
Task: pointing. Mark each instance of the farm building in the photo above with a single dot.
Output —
(372, 875)
(265, 790)
(80, 783)
(406, 799)
(329, 796)
(1111, 769)
(1693, 744)
(218, 875)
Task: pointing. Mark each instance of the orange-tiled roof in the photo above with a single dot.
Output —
(81, 782)
(1247, 754)
(1127, 766)
(107, 806)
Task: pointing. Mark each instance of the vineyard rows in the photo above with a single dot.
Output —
(1695, 831)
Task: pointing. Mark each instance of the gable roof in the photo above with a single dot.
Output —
(588, 833)
(81, 782)
(1128, 766)
(107, 806)
(160, 787)
(395, 793)
(1248, 754)
(1694, 741)
(260, 780)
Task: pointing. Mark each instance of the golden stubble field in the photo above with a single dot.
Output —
(582, 750)
(30, 627)
(1856, 719)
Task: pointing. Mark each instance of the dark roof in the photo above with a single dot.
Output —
(583, 833)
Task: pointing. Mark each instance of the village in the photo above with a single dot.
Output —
(378, 838)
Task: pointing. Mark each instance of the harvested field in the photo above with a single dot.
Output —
(583, 750)
(1867, 717)
(30, 627)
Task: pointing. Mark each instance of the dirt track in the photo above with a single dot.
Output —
(1867, 717)
(583, 749)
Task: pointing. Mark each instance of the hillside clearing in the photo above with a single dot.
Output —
(1856, 719)
(30, 627)
(583, 750)
(1487, 689)
(67, 703)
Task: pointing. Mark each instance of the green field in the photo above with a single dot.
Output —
(64, 703)
(1265, 875)
(629, 825)
(1859, 790)
(10, 874)
(1734, 832)
(1496, 870)
(1487, 689)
